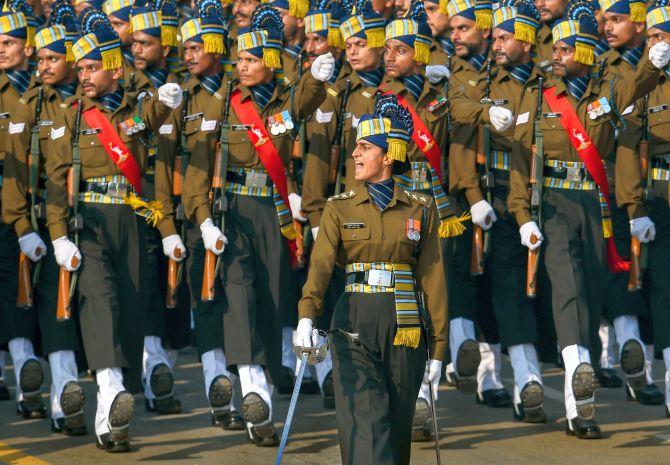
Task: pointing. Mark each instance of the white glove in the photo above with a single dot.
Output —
(32, 246)
(530, 229)
(170, 94)
(501, 118)
(296, 204)
(642, 228)
(437, 73)
(65, 251)
(323, 67)
(315, 231)
(211, 235)
(483, 215)
(659, 55)
(171, 244)
(433, 370)
(305, 334)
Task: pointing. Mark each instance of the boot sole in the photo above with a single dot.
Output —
(584, 383)
(72, 403)
(466, 367)
(31, 379)
(632, 364)
(120, 415)
(254, 409)
(162, 381)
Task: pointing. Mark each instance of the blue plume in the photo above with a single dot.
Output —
(267, 18)
(387, 106)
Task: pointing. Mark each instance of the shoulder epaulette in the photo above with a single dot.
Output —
(332, 92)
(343, 195)
(421, 198)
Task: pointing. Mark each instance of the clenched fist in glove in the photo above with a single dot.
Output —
(171, 245)
(483, 215)
(659, 55)
(527, 231)
(65, 250)
(170, 94)
(323, 67)
(305, 334)
(213, 237)
(437, 73)
(643, 229)
(295, 202)
(501, 118)
(32, 246)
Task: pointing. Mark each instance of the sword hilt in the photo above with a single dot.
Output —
(315, 355)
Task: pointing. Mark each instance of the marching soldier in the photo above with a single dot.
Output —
(109, 255)
(118, 12)
(24, 208)
(293, 13)
(322, 35)
(574, 113)
(388, 240)
(242, 12)
(551, 11)
(438, 20)
(259, 216)
(645, 195)
(19, 327)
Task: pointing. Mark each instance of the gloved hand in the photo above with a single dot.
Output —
(483, 215)
(170, 94)
(323, 67)
(437, 73)
(642, 228)
(433, 370)
(171, 244)
(32, 246)
(659, 55)
(211, 235)
(65, 251)
(296, 205)
(305, 334)
(315, 231)
(530, 229)
(501, 118)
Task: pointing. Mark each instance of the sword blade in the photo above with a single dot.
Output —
(291, 408)
(433, 406)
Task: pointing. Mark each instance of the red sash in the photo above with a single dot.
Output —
(423, 139)
(588, 152)
(114, 146)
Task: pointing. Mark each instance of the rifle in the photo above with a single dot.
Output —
(218, 201)
(180, 164)
(337, 155)
(449, 120)
(26, 285)
(638, 251)
(298, 259)
(481, 240)
(67, 282)
(535, 179)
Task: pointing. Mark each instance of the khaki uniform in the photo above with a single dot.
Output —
(437, 54)
(368, 369)
(544, 48)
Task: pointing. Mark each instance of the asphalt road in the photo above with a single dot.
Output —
(470, 434)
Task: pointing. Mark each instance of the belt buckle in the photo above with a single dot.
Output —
(574, 173)
(380, 278)
(419, 174)
(116, 190)
(256, 179)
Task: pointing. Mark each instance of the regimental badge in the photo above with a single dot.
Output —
(436, 104)
(598, 108)
(133, 125)
(280, 123)
(413, 228)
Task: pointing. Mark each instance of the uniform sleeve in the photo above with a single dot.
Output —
(165, 156)
(627, 174)
(309, 94)
(57, 165)
(16, 178)
(321, 263)
(519, 197)
(633, 86)
(463, 175)
(431, 280)
(156, 113)
(463, 108)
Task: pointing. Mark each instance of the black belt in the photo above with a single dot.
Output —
(568, 173)
(241, 178)
(111, 189)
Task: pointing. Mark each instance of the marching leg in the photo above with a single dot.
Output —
(114, 411)
(67, 396)
(220, 390)
(159, 386)
(29, 376)
(607, 375)
(257, 405)
(580, 383)
(464, 353)
(528, 391)
(490, 390)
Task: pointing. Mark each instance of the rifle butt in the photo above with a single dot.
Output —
(477, 253)
(531, 270)
(635, 274)
(217, 181)
(25, 294)
(298, 253)
(208, 277)
(172, 283)
(63, 309)
(644, 157)
(334, 164)
(70, 186)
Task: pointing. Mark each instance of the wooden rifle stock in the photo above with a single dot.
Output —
(477, 254)
(64, 303)
(25, 294)
(635, 275)
(209, 275)
(334, 163)
(531, 269)
(172, 281)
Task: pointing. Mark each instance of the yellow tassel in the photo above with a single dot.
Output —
(376, 38)
(452, 227)
(421, 53)
(638, 12)
(584, 54)
(271, 58)
(298, 8)
(289, 232)
(152, 211)
(409, 337)
(169, 36)
(483, 19)
(607, 228)
(397, 150)
(335, 38)
(112, 59)
(443, 7)
(69, 54)
(213, 43)
(524, 33)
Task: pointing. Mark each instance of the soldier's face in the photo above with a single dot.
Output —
(315, 45)
(252, 71)
(399, 59)
(370, 162)
(242, 11)
(292, 25)
(564, 64)
(360, 56)
(96, 81)
(148, 52)
(53, 67)
(550, 9)
(401, 7)
(13, 53)
(121, 27)
(656, 35)
(46, 8)
(467, 39)
(438, 22)
(507, 50)
(620, 31)
(198, 62)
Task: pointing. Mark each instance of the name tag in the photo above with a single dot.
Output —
(367, 94)
(353, 225)
(500, 101)
(91, 131)
(4, 115)
(658, 108)
(16, 128)
(208, 125)
(552, 115)
(192, 117)
(165, 129)
(46, 123)
(240, 127)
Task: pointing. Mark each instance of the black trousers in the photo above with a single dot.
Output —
(376, 383)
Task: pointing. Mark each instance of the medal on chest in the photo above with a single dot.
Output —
(413, 229)
(598, 108)
(133, 125)
(280, 123)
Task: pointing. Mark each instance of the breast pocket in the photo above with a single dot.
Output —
(354, 232)
(92, 152)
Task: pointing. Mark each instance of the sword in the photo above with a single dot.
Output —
(433, 406)
(308, 356)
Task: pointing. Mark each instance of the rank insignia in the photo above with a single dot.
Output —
(413, 228)
(133, 125)
(598, 108)
(280, 123)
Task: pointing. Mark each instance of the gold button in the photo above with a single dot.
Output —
(92, 142)
(353, 235)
